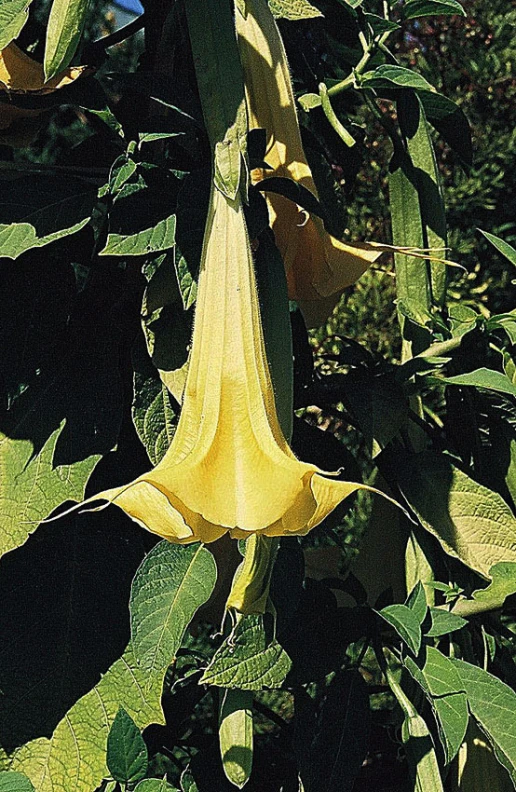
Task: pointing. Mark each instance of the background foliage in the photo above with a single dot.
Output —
(104, 202)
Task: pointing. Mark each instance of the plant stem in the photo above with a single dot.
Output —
(350, 80)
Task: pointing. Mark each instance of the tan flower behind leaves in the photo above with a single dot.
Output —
(318, 266)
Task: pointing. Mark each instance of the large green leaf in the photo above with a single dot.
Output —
(40, 210)
(442, 684)
(61, 390)
(450, 121)
(171, 584)
(248, 660)
(482, 378)
(74, 758)
(13, 16)
(419, 8)
(493, 705)
(412, 277)
(503, 585)
(412, 119)
(32, 486)
(64, 29)
(66, 590)
(472, 522)
(294, 9)
(127, 757)
(14, 782)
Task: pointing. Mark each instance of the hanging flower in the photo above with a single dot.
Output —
(318, 266)
(229, 467)
(22, 75)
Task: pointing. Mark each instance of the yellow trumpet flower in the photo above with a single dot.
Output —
(229, 467)
(318, 266)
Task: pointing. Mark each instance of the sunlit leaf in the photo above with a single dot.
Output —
(444, 622)
(493, 704)
(419, 8)
(171, 584)
(443, 686)
(65, 25)
(150, 240)
(13, 16)
(503, 585)
(482, 378)
(74, 759)
(248, 660)
(40, 210)
(472, 522)
(406, 624)
(294, 9)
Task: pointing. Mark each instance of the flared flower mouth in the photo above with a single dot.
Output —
(229, 468)
(318, 266)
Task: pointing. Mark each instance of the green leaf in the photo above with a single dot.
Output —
(444, 689)
(503, 585)
(153, 414)
(74, 758)
(472, 522)
(482, 378)
(406, 624)
(419, 8)
(155, 785)
(64, 30)
(236, 735)
(171, 584)
(14, 782)
(502, 246)
(493, 705)
(309, 100)
(221, 87)
(416, 601)
(416, 737)
(450, 121)
(13, 16)
(380, 25)
(444, 622)
(48, 600)
(247, 660)
(378, 404)
(127, 757)
(40, 210)
(149, 240)
(294, 9)
(61, 391)
(412, 279)
(390, 76)
(412, 119)
(32, 486)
